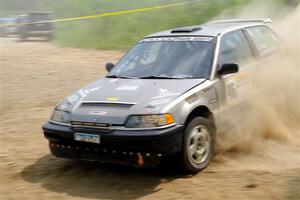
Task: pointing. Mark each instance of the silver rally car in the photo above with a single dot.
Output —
(168, 96)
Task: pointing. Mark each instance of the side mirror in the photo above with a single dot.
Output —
(109, 67)
(228, 68)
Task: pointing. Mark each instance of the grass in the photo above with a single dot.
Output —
(120, 32)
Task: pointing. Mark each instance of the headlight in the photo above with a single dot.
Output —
(63, 106)
(148, 121)
(62, 112)
(60, 116)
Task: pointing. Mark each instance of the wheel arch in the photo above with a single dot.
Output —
(201, 111)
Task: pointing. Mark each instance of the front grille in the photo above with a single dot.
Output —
(90, 124)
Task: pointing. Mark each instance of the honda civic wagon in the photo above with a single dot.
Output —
(170, 95)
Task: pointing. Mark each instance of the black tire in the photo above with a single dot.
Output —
(186, 160)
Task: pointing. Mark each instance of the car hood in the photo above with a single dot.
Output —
(111, 100)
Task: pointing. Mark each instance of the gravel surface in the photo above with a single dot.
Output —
(36, 75)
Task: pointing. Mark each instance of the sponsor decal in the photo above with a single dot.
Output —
(84, 93)
(149, 109)
(131, 85)
(98, 113)
(112, 99)
(159, 101)
(164, 93)
(73, 98)
(185, 39)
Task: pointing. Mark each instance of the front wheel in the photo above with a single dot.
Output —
(198, 145)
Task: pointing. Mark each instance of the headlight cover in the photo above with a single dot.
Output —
(63, 106)
(61, 112)
(60, 116)
(149, 121)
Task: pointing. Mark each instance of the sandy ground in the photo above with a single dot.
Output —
(36, 75)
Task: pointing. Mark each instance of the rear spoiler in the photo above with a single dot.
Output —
(263, 20)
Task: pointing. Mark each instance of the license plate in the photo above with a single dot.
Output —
(87, 138)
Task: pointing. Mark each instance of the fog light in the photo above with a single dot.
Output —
(140, 160)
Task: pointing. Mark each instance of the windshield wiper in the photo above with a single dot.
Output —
(116, 76)
(159, 77)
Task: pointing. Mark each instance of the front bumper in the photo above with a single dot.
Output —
(133, 147)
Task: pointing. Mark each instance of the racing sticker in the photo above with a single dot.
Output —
(163, 96)
(158, 39)
(164, 93)
(73, 98)
(159, 101)
(203, 39)
(131, 85)
(150, 109)
(98, 112)
(231, 89)
(85, 92)
(239, 86)
(182, 39)
(112, 98)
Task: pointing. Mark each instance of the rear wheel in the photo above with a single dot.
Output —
(197, 145)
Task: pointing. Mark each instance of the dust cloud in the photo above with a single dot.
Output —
(268, 137)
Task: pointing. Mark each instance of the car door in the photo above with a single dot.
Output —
(233, 89)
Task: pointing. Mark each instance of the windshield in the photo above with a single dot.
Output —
(180, 57)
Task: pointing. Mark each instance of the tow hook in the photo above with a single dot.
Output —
(140, 159)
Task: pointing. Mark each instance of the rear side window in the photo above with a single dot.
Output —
(264, 39)
(234, 48)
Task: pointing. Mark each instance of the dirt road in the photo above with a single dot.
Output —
(36, 75)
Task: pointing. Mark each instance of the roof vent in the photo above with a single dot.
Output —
(106, 104)
(186, 30)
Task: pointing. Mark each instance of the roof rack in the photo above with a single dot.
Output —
(263, 20)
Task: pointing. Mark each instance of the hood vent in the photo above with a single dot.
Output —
(107, 104)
